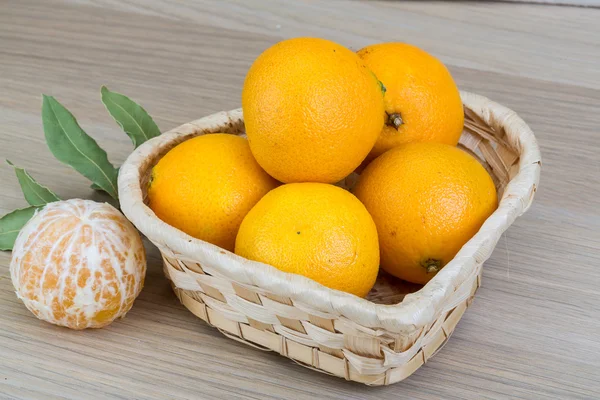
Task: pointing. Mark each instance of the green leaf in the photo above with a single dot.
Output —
(34, 193)
(96, 187)
(11, 224)
(72, 146)
(134, 120)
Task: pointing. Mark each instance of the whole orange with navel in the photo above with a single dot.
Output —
(422, 102)
(205, 186)
(427, 200)
(317, 230)
(312, 110)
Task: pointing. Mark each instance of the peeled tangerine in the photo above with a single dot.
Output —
(79, 264)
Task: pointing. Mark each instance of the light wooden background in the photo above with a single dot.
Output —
(534, 328)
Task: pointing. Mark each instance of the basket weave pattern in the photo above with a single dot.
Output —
(377, 341)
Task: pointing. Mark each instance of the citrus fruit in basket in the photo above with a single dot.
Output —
(78, 263)
(422, 102)
(317, 230)
(206, 185)
(427, 200)
(312, 110)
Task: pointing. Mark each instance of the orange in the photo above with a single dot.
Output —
(427, 200)
(317, 230)
(206, 185)
(78, 263)
(312, 109)
(422, 102)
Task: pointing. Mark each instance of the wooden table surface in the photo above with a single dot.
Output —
(534, 328)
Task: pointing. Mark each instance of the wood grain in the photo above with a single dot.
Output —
(533, 330)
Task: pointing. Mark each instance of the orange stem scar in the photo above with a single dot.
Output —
(394, 120)
(431, 265)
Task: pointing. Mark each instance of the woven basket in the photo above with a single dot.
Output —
(378, 340)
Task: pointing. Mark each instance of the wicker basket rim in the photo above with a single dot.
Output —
(416, 309)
